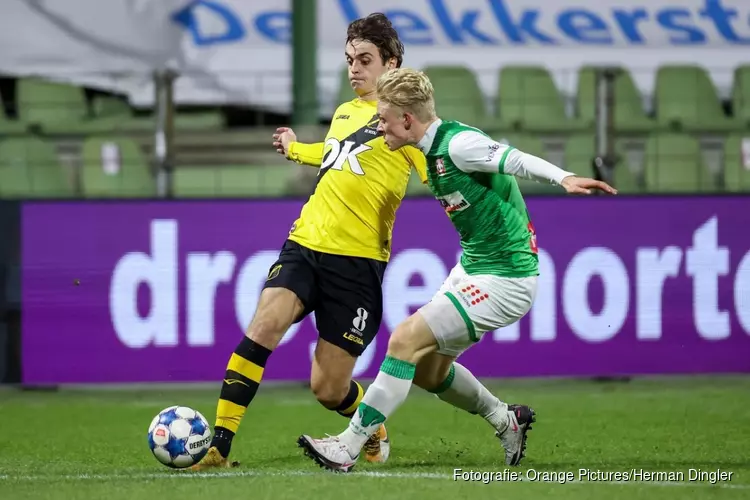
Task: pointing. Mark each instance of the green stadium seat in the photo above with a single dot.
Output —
(197, 120)
(741, 97)
(628, 104)
(625, 180)
(232, 181)
(114, 167)
(580, 149)
(528, 100)
(686, 100)
(415, 187)
(674, 163)
(47, 103)
(10, 127)
(114, 114)
(457, 95)
(736, 174)
(346, 93)
(57, 108)
(62, 109)
(108, 106)
(524, 142)
(29, 168)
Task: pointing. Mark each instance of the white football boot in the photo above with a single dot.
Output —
(513, 438)
(330, 453)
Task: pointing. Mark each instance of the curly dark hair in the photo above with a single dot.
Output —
(378, 30)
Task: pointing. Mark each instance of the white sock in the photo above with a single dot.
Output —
(382, 399)
(462, 390)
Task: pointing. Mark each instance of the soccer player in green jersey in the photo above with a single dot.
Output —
(492, 286)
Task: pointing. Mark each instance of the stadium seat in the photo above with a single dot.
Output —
(10, 127)
(232, 181)
(47, 103)
(62, 109)
(457, 95)
(686, 100)
(628, 104)
(29, 168)
(196, 120)
(674, 163)
(346, 93)
(741, 97)
(531, 145)
(115, 167)
(57, 108)
(416, 187)
(528, 100)
(114, 114)
(736, 174)
(580, 149)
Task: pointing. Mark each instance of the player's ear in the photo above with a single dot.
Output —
(392, 63)
(407, 120)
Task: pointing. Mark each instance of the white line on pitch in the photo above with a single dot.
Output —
(391, 475)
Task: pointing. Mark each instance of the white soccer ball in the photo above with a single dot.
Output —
(179, 436)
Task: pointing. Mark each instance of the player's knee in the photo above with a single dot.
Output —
(330, 393)
(401, 344)
(266, 332)
(412, 340)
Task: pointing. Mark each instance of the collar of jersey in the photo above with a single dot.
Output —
(425, 144)
(361, 102)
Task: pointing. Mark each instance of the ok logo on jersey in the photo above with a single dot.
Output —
(344, 152)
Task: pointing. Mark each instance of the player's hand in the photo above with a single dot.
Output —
(583, 185)
(282, 138)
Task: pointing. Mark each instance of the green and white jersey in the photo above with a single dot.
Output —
(472, 176)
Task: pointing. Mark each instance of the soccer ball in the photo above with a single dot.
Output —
(179, 436)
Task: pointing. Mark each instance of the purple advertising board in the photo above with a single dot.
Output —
(162, 291)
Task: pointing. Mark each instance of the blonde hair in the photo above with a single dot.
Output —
(409, 90)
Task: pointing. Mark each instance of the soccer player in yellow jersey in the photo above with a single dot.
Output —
(337, 250)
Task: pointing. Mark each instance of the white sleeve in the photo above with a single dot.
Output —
(472, 151)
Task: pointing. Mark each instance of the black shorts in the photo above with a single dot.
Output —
(345, 292)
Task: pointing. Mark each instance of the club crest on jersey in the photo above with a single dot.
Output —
(440, 166)
(454, 202)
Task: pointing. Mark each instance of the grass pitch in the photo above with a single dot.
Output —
(76, 444)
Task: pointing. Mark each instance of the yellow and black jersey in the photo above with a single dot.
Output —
(360, 185)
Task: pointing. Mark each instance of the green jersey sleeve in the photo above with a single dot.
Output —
(473, 151)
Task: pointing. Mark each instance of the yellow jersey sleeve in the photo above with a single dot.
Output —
(306, 154)
(418, 161)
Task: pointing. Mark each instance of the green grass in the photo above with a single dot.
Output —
(91, 444)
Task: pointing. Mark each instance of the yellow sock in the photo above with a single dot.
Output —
(241, 381)
(350, 403)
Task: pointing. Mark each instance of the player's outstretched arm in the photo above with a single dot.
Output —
(530, 166)
(473, 151)
(285, 142)
(583, 185)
